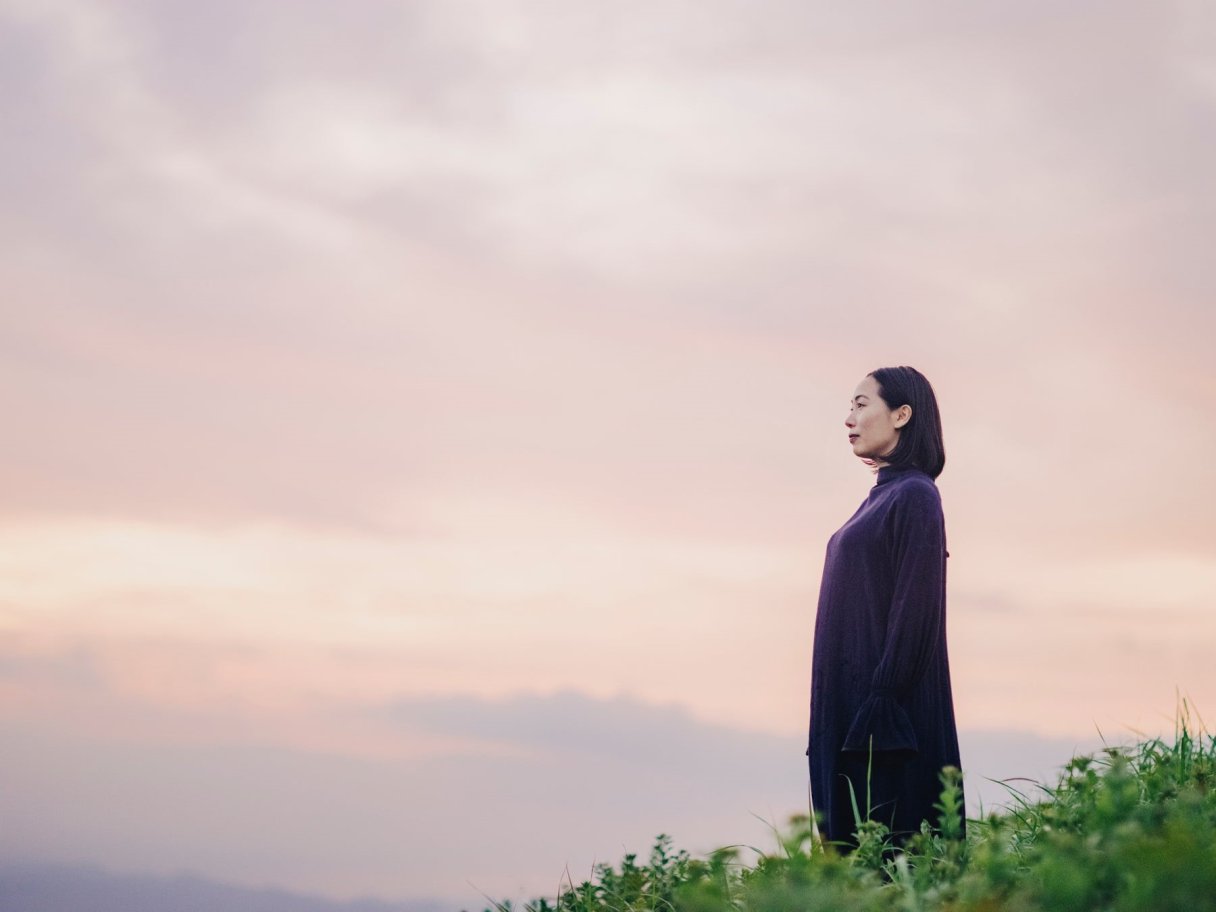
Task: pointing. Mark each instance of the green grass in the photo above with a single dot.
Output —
(1125, 829)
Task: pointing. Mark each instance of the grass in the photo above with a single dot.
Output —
(1126, 829)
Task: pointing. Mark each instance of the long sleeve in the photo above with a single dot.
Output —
(914, 622)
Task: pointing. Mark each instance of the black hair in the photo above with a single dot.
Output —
(920, 440)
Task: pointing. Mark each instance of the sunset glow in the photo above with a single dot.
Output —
(420, 415)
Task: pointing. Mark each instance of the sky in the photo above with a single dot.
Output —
(424, 421)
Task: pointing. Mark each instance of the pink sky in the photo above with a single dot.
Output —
(491, 360)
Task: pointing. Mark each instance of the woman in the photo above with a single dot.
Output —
(882, 716)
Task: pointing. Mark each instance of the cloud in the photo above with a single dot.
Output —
(76, 669)
(344, 825)
(278, 627)
(568, 725)
(581, 254)
(502, 348)
(592, 779)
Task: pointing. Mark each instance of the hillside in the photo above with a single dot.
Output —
(71, 888)
(1129, 829)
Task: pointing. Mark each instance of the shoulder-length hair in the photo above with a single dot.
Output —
(920, 440)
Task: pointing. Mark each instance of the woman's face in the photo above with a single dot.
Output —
(873, 428)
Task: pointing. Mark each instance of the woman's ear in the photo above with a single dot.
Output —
(903, 415)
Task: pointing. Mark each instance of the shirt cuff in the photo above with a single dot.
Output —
(883, 719)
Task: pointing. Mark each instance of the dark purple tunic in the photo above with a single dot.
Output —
(879, 673)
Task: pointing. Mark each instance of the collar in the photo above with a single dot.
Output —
(889, 473)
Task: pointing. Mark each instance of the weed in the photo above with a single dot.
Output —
(1126, 829)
